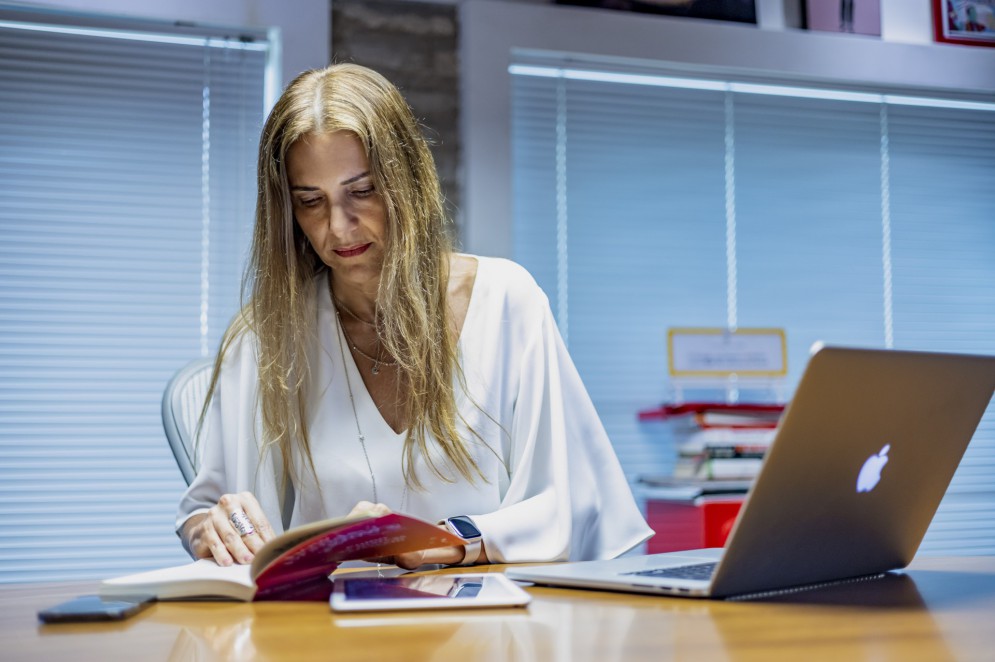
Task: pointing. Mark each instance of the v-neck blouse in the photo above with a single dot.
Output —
(551, 486)
(339, 346)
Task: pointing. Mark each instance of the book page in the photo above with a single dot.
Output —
(198, 579)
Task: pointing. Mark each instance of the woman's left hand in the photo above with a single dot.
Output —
(412, 560)
(440, 555)
(369, 509)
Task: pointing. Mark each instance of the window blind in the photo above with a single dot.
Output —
(643, 202)
(127, 162)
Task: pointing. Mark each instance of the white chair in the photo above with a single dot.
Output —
(181, 406)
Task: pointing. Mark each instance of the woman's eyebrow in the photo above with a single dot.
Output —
(345, 182)
(353, 179)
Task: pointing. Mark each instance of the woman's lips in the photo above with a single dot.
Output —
(352, 252)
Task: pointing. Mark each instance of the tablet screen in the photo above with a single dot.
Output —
(426, 592)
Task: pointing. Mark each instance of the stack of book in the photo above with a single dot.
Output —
(722, 454)
(720, 442)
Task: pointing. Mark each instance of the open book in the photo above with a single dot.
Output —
(292, 566)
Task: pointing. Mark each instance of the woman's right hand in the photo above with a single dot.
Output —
(213, 534)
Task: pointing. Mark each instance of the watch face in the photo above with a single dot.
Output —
(464, 527)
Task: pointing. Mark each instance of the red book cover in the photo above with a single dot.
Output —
(288, 570)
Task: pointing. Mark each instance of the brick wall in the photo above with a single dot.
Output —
(415, 45)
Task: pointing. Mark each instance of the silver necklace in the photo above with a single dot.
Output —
(339, 304)
(355, 416)
(352, 401)
(376, 360)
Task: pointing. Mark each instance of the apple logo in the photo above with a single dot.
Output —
(870, 473)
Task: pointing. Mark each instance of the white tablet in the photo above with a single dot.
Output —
(426, 592)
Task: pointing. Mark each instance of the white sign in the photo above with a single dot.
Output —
(721, 352)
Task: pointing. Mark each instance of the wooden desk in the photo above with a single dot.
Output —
(942, 609)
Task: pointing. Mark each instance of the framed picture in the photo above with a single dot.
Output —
(854, 16)
(741, 11)
(970, 22)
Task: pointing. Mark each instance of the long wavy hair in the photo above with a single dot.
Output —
(280, 285)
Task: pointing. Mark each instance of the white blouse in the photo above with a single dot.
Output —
(552, 488)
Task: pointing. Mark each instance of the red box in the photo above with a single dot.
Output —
(690, 524)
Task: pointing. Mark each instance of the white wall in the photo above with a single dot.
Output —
(305, 25)
(907, 22)
(904, 59)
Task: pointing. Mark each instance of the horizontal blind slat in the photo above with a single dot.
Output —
(101, 155)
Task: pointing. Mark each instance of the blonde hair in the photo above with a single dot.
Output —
(418, 329)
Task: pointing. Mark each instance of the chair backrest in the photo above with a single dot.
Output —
(181, 406)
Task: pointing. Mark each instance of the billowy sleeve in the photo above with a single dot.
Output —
(229, 450)
(567, 498)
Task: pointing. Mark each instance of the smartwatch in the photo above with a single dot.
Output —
(464, 527)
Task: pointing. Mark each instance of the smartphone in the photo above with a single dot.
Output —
(95, 608)
(426, 592)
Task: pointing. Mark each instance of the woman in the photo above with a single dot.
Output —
(374, 369)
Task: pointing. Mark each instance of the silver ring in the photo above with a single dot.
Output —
(242, 523)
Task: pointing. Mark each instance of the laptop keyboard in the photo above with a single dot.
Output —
(697, 571)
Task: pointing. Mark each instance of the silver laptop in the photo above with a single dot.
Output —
(860, 461)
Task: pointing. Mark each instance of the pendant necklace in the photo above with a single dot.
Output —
(355, 413)
(375, 360)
